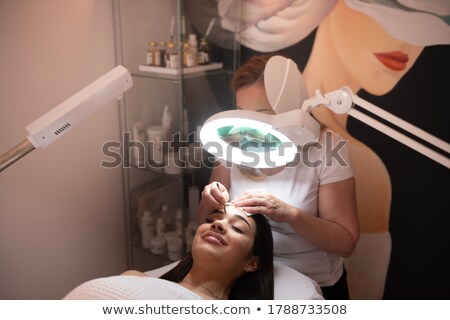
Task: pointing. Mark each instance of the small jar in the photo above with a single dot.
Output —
(158, 245)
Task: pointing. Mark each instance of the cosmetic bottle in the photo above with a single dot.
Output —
(160, 227)
(139, 140)
(151, 53)
(167, 216)
(156, 135)
(159, 245)
(147, 229)
(204, 53)
(179, 221)
(194, 47)
(172, 55)
(157, 55)
(166, 120)
(185, 123)
(174, 245)
(189, 55)
(162, 53)
(193, 200)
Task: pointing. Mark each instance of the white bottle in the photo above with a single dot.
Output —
(139, 138)
(189, 55)
(147, 229)
(160, 227)
(167, 216)
(193, 200)
(156, 135)
(166, 120)
(179, 221)
(194, 47)
(186, 122)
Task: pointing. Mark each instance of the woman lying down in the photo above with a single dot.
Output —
(231, 258)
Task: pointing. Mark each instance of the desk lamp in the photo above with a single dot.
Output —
(257, 140)
(65, 116)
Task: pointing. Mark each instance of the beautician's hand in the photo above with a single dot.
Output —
(261, 201)
(214, 196)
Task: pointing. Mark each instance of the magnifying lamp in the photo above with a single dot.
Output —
(257, 140)
(61, 119)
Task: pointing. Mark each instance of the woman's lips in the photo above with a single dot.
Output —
(395, 60)
(214, 237)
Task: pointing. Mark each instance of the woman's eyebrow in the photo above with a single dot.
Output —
(237, 216)
(243, 219)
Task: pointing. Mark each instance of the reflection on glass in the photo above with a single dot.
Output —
(248, 139)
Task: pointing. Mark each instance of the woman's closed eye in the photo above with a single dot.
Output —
(235, 225)
(237, 229)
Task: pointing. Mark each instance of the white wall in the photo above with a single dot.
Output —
(61, 214)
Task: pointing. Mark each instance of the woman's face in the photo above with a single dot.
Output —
(253, 98)
(226, 239)
(372, 56)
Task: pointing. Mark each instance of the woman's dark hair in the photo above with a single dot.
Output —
(256, 285)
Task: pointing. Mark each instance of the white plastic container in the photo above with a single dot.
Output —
(173, 163)
(157, 135)
(174, 245)
(158, 245)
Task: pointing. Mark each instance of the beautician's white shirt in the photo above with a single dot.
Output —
(298, 186)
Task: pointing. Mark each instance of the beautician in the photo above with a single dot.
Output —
(312, 209)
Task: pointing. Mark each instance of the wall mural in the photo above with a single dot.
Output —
(391, 53)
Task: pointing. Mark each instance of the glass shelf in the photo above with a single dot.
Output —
(197, 69)
(173, 74)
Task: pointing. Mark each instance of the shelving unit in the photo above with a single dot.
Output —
(200, 90)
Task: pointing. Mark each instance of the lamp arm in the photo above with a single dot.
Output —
(413, 144)
(15, 153)
(441, 144)
(341, 101)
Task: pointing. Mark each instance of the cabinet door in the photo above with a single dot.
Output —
(168, 169)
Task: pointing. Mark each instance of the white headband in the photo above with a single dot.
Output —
(419, 22)
(270, 26)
